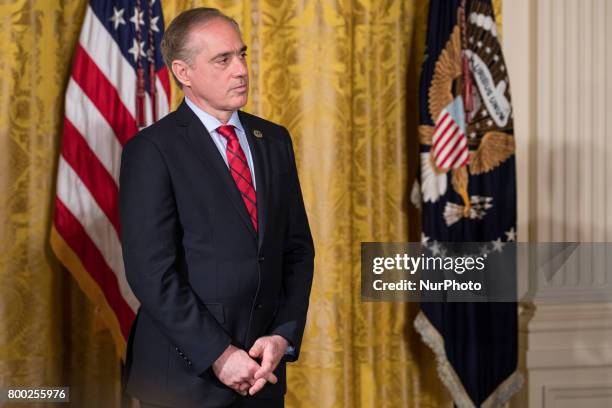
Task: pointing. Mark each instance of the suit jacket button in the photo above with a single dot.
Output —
(259, 306)
(261, 259)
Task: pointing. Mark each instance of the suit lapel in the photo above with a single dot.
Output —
(260, 162)
(201, 141)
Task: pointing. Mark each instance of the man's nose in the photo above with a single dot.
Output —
(240, 67)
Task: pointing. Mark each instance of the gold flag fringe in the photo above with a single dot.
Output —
(449, 377)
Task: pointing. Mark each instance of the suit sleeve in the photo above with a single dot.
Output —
(298, 265)
(150, 239)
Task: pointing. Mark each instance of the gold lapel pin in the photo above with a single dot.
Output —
(258, 134)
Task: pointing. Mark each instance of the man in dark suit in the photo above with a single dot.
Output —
(216, 242)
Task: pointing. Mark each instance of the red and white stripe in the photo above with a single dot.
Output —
(449, 148)
(99, 119)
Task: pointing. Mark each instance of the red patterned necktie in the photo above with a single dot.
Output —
(239, 168)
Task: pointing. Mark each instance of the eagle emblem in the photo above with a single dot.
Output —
(472, 132)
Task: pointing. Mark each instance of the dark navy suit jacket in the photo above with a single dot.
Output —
(202, 274)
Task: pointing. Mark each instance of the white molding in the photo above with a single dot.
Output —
(568, 344)
(571, 317)
(567, 395)
(570, 335)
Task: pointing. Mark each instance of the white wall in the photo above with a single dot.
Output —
(559, 55)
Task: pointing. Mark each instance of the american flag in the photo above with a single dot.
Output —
(449, 146)
(118, 84)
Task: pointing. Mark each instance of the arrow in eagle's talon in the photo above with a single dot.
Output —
(466, 202)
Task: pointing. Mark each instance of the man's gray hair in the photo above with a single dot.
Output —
(174, 44)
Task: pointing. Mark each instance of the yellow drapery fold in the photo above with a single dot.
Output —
(343, 77)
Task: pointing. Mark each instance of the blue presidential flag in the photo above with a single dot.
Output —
(468, 193)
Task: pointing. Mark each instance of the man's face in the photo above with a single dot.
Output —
(218, 79)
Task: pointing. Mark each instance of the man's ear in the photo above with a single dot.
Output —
(180, 70)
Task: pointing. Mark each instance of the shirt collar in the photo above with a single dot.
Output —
(210, 122)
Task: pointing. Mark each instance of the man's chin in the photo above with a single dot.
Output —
(239, 102)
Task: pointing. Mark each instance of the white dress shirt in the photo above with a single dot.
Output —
(211, 124)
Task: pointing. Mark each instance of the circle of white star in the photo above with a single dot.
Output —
(137, 18)
(497, 245)
(154, 24)
(117, 17)
(511, 235)
(137, 50)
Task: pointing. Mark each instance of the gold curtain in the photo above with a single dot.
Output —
(49, 335)
(343, 77)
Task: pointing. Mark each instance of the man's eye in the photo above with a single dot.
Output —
(223, 60)
(243, 54)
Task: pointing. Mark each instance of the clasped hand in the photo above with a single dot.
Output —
(239, 370)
